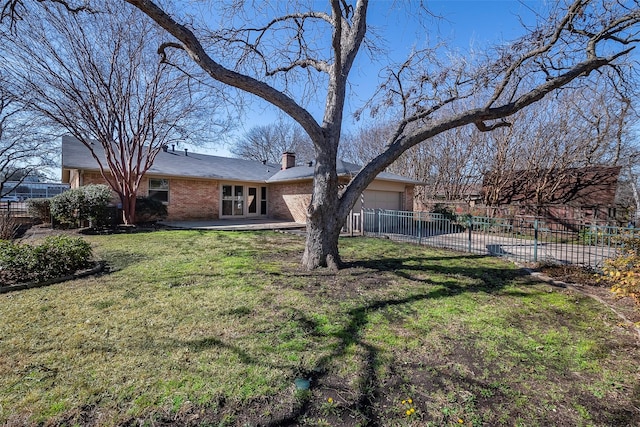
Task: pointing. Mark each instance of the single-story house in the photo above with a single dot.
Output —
(203, 187)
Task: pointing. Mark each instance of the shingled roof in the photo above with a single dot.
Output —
(344, 169)
(176, 163)
(179, 163)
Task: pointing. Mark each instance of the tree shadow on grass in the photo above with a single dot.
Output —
(118, 259)
(412, 268)
(369, 386)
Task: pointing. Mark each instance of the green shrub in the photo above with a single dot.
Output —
(85, 203)
(446, 211)
(149, 210)
(56, 256)
(96, 201)
(65, 207)
(39, 209)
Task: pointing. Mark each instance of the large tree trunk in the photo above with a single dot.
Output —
(321, 249)
(324, 221)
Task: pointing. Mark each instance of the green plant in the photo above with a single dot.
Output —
(40, 209)
(444, 210)
(96, 201)
(54, 257)
(85, 203)
(329, 407)
(149, 210)
(65, 207)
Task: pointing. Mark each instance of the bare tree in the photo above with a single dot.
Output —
(263, 48)
(98, 77)
(24, 148)
(547, 141)
(268, 142)
(578, 129)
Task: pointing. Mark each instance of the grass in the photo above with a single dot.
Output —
(198, 328)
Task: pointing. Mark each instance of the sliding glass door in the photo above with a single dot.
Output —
(240, 200)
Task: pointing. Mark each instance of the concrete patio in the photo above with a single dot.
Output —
(242, 224)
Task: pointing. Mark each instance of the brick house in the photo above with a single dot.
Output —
(203, 187)
(586, 194)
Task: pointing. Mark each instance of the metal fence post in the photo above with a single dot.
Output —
(469, 222)
(420, 227)
(535, 240)
(379, 222)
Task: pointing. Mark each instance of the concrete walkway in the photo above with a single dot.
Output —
(242, 224)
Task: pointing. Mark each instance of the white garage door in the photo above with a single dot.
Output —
(376, 199)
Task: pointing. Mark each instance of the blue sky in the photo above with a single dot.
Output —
(464, 24)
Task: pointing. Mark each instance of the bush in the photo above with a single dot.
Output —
(85, 203)
(96, 200)
(8, 226)
(56, 256)
(444, 210)
(623, 272)
(40, 209)
(149, 210)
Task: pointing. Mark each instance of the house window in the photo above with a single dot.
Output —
(232, 200)
(263, 200)
(159, 190)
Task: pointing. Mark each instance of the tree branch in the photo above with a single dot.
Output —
(224, 75)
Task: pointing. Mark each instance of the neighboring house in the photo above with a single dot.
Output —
(201, 187)
(584, 194)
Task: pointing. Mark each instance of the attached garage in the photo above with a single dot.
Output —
(380, 199)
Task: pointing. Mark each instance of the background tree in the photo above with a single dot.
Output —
(451, 164)
(24, 148)
(268, 142)
(581, 128)
(574, 129)
(98, 77)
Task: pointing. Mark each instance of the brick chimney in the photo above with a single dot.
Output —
(288, 160)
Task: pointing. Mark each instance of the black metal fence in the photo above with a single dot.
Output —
(522, 239)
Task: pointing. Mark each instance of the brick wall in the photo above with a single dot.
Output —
(408, 198)
(290, 201)
(189, 199)
(89, 178)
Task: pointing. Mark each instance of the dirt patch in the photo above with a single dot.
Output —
(588, 282)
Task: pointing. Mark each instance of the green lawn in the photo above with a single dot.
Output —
(212, 328)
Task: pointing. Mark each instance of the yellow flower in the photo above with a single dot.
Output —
(410, 401)
(408, 412)
(413, 410)
(460, 421)
(404, 401)
(330, 400)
